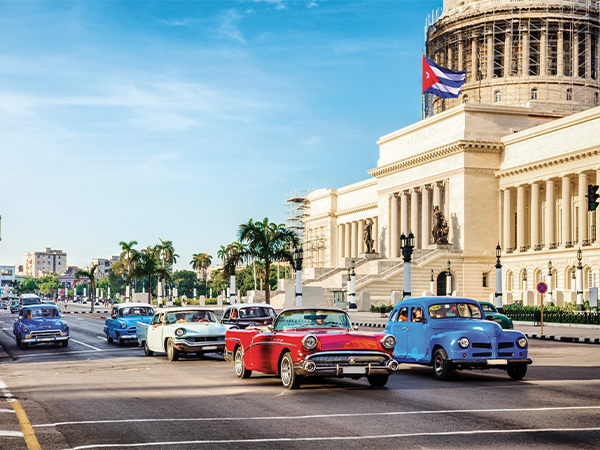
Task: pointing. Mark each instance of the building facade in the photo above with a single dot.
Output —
(38, 264)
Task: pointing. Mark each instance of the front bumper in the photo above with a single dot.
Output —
(42, 340)
(199, 347)
(344, 364)
(489, 363)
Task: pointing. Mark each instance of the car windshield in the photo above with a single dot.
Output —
(312, 318)
(252, 312)
(39, 313)
(190, 316)
(136, 311)
(487, 308)
(454, 310)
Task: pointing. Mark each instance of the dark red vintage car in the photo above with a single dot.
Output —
(310, 342)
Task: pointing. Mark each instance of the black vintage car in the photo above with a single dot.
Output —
(244, 315)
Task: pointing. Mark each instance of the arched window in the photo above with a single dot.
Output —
(497, 97)
(534, 94)
(569, 94)
(509, 281)
(596, 98)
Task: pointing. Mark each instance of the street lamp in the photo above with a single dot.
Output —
(573, 279)
(579, 306)
(298, 258)
(448, 280)
(407, 243)
(351, 280)
(498, 294)
(431, 283)
(549, 280)
(524, 280)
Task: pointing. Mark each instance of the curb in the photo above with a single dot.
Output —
(85, 312)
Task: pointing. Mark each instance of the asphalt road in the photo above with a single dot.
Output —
(97, 395)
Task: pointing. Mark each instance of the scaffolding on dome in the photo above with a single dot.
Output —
(543, 54)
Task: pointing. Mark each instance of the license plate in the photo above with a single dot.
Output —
(497, 362)
(353, 370)
(210, 347)
(45, 339)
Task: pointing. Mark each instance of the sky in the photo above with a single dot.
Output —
(133, 120)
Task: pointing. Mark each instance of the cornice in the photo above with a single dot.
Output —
(459, 146)
(360, 209)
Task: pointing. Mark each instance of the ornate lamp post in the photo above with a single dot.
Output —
(573, 279)
(351, 281)
(448, 280)
(579, 306)
(549, 280)
(498, 294)
(524, 280)
(407, 244)
(298, 257)
(431, 285)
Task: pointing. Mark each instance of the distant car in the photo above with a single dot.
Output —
(48, 302)
(14, 306)
(491, 313)
(40, 324)
(28, 299)
(242, 315)
(312, 342)
(451, 333)
(182, 330)
(121, 325)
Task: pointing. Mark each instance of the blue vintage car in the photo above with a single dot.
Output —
(451, 333)
(40, 324)
(121, 324)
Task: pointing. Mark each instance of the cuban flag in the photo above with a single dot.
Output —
(442, 82)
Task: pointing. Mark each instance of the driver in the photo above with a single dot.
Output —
(321, 316)
(180, 318)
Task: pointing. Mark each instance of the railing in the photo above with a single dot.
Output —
(584, 318)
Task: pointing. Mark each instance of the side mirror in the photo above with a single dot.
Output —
(20, 317)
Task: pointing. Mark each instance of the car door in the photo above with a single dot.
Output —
(110, 323)
(155, 332)
(397, 327)
(417, 343)
(260, 350)
(225, 320)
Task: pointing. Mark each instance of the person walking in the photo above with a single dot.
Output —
(66, 302)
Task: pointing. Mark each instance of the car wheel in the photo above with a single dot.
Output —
(442, 369)
(24, 345)
(378, 380)
(517, 372)
(172, 352)
(65, 343)
(18, 339)
(108, 338)
(286, 369)
(120, 341)
(147, 350)
(240, 367)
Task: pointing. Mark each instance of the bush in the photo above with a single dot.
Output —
(377, 309)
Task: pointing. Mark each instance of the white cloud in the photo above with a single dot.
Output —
(228, 26)
(312, 5)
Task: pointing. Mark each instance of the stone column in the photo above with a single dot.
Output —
(575, 53)
(403, 213)
(347, 240)
(520, 217)
(437, 198)
(560, 56)
(394, 241)
(507, 227)
(474, 66)
(583, 214)
(507, 50)
(461, 51)
(525, 44)
(341, 240)
(375, 235)
(490, 55)
(544, 52)
(588, 55)
(535, 215)
(414, 216)
(566, 210)
(549, 213)
(354, 240)
(450, 65)
(597, 213)
(361, 242)
(425, 217)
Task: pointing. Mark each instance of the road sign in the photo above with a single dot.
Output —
(542, 287)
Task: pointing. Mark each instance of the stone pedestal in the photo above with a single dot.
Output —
(202, 300)
(528, 298)
(373, 255)
(440, 246)
(396, 297)
(364, 301)
(312, 297)
(507, 298)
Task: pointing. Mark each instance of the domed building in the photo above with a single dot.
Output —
(507, 163)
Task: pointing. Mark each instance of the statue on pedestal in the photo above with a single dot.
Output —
(367, 236)
(440, 227)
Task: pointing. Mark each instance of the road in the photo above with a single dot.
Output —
(97, 395)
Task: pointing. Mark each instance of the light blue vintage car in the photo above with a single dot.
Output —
(121, 324)
(39, 324)
(451, 333)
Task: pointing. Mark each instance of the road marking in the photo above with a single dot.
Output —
(6, 433)
(30, 355)
(7, 329)
(87, 345)
(26, 428)
(320, 416)
(7, 410)
(340, 438)
(101, 337)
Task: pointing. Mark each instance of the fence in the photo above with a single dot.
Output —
(585, 318)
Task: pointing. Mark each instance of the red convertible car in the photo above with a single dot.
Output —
(310, 342)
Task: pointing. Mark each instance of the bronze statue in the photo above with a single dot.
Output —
(367, 235)
(440, 227)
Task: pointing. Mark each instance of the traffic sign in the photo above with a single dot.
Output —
(542, 287)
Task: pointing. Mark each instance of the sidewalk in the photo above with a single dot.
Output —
(564, 332)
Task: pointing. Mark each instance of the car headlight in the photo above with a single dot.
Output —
(388, 341)
(123, 325)
(65, 326)
(309, 341)
(463, 342)
(522, 342)
(25, 330)
(179, 332)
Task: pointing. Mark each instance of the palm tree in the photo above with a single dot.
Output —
(147, 265)
(88, 275)
(127, 253)
(201, 262)
(267, 242)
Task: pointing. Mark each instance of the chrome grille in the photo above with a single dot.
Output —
(339, 359)
(45, 333)
(206, 339)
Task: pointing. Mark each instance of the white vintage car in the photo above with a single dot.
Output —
(182, 330)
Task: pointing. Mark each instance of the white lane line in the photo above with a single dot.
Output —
(321, 416)
(6, 433)
(71, 353)
(7, 329)
(7, 410)
(101, 337)
(87, 345)
(340, 438)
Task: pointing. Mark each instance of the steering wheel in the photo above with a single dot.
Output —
(204, 320)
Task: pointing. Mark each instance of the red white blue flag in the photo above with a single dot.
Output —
(442, 82)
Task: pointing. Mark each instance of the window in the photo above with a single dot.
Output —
(466, 98)
(569, 94)
(534, 94)
(596, 98)
(485, 280)
(497, 97)
(417, 315)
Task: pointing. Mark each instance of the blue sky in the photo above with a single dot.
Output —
(181, 120)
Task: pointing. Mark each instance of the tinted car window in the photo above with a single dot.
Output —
(454, 310)
(255, 311)
(488, 308)
(39, 313)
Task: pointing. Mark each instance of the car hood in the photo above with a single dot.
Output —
(43, 322)
(201, 328)
(346, 340)
(490, 328)
(131, 321)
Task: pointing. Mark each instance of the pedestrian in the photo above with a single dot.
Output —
(66, 302)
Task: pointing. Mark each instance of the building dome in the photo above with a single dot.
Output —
(538, 53)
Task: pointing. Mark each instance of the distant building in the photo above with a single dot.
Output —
(39, 264)
(7, 277)
(104, 265)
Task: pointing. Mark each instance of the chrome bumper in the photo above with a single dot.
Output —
(194, 347)
(343, 364)
(490, 363)
(45, 339)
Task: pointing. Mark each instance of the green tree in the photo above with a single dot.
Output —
(201, 262)
(147, 265)
(267, 242)
(116, 277)
(28, 286)
(88, 275)
(48, 285)
(185, 280)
